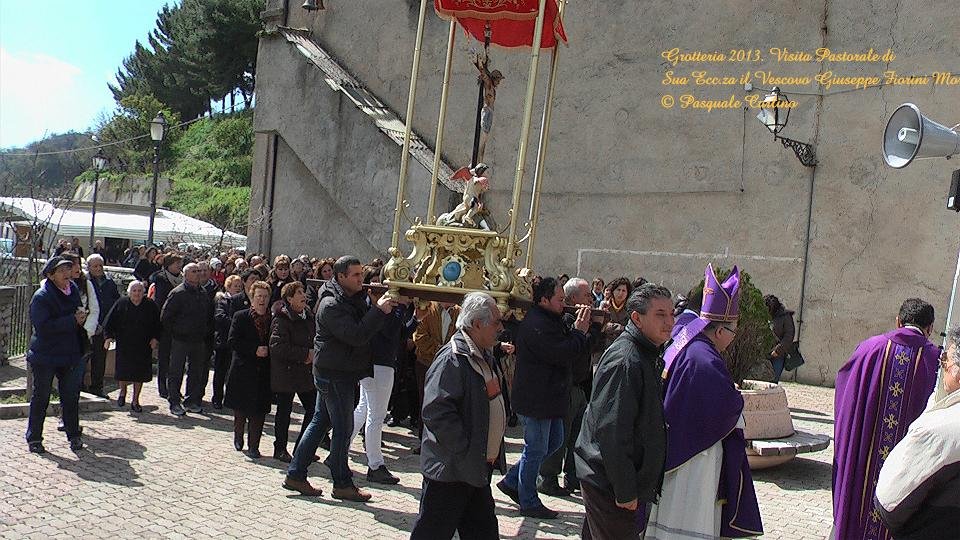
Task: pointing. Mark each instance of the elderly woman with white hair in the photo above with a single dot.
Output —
(134, 324)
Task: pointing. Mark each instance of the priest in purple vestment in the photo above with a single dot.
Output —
(708, 489)
(880, 391)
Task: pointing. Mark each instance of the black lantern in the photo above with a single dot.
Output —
(774, 115)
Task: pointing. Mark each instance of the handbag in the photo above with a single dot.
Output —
(793, 359)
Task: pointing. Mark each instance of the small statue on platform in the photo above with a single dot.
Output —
(489, 80)
(473, 187)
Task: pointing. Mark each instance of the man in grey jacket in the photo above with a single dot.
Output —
(622, 447)
(463, 424)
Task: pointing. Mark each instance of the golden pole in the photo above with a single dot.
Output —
(441, 121)
(411, 98)
(542, 148)
(525, 129)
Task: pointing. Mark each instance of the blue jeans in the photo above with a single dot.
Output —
(541, 437)
(68, 384)
(777, 367)
(334, 409)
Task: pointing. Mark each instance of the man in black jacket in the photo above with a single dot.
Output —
(546, 350)
(345, 326)
(188, 317)
(577, 293)
(622, 447)
(163, 282)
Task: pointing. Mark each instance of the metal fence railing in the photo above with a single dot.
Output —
(20, 328)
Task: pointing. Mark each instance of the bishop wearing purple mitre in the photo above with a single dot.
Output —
(880, 391)
(707, 489)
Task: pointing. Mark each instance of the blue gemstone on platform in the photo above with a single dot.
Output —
(452, 271)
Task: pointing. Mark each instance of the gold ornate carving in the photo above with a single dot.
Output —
(486, 264)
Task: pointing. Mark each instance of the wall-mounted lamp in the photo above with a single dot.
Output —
(774, 115)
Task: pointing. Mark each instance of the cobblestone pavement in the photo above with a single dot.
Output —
(155, 476)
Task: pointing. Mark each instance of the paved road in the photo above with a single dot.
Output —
(155, 476)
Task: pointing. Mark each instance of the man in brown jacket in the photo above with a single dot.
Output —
(437, 325)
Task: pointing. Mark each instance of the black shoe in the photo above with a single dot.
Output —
(135, 407)
(122, 400)
(253, 453)
(381, 475)
(61, 427)
(162, 390)
(76, 443)
(509, 491)
(541, 512)
(571, 485)
(217, 405)
(177, 410)
(282, 455)
(549, 486)
(238, 441)
(325, 443)
(37, 447)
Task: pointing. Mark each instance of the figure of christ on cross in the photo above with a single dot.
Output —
(490, 80)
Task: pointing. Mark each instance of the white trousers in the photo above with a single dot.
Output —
(372, 409)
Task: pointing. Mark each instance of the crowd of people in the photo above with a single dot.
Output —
(634, 410)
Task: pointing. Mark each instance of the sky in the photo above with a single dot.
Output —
(57, 57)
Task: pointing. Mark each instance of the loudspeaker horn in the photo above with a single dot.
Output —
(910, 135)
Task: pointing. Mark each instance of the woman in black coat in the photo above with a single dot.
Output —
(146, 265)
(134, 324)
(291, 361)
(248, 382)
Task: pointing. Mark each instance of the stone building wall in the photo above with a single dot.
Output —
(632, 187)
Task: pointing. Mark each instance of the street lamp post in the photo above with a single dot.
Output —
(157, 128)
(100, 162)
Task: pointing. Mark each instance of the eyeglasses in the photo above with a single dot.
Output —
(728, 329)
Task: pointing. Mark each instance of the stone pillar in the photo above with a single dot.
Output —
(7, 295)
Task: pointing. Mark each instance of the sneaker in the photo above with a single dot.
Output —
(540, 512)
(550, 486)
(351, 494)
(177, 410)
(381, 475)
(76, 443)
(302, 487)
(509, 491)
(195, 409)
(37, 447)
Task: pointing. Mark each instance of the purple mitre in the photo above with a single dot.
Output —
(721, 303)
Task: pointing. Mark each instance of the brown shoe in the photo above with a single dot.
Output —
(351, 494)
(302, 486)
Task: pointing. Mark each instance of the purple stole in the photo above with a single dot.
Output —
(880, 391)
(702, 407)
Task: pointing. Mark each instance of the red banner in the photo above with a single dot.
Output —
(512, 22)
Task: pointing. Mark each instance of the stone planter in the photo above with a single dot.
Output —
(765, 411)
(766, 416)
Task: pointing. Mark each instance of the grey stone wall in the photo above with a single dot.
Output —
(634, 188)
